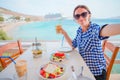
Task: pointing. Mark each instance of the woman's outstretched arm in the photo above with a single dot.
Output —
(110, 30)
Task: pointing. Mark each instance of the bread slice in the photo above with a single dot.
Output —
(50, 68)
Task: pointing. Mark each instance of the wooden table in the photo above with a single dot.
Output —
(33, 64)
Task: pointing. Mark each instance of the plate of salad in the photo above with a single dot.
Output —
(51, 71)
(58, 57)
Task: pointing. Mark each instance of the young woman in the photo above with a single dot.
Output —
(88, 40)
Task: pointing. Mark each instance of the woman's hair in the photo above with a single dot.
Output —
(81, 6)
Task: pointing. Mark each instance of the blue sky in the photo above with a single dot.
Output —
(99, 8)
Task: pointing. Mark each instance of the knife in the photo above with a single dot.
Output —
(73, 73)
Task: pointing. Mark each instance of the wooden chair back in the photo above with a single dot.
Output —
(11, 47)
(110, 60)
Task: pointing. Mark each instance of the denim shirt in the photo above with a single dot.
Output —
(90, 48)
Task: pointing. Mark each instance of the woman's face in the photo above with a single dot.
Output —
(82, 16)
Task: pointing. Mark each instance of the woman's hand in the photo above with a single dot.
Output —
(60, 30)
(110, 30)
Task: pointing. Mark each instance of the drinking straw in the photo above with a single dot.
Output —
(60, 22)
(9, 58)
(62, 41)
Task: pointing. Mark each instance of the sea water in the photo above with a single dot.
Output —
(45, 30)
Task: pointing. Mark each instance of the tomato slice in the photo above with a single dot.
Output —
(58, 54)
(42, 72)
(52, 75)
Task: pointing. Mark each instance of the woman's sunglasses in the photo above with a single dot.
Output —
(77, 16)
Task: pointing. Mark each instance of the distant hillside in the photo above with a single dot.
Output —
(52, 16)
(9, 12)
(117, 17)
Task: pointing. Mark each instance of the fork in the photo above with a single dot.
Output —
(81, 73)
(73, 73)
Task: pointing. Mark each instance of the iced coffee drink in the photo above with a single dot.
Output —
(21, 67)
